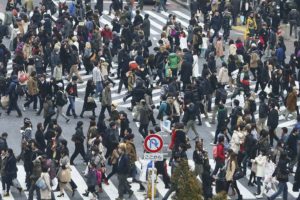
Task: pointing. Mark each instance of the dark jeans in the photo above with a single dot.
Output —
(258, 182)
(234, 186)
(41, 100)
(71, 105)
(143, 129)
(13, 105)
(114, 171)
(32, 98)
(79, 149)
(282, 187)
(103, 108)
(123, 185)
(31, 191)
(219, 165)
(272, 135)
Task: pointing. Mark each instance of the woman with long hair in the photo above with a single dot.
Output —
(232, 166)
(89, 103)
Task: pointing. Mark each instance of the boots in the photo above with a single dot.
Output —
(86, 194)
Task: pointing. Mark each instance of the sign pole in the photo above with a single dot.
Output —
(152, 181)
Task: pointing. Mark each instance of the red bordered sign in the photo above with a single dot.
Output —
(153, 143)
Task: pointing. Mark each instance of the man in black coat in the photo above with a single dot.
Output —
(186, 73)
(272, 123)
(215, 24)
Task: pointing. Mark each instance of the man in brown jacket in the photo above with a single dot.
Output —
(32, 85)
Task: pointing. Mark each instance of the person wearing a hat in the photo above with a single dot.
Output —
(71, 90)
(78, 139)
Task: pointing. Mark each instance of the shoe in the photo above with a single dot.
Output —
(119, 198)
(75, 116)
(81, 115)
(196, 138)
(68, 114)
(200, 124)
(20, 189)
(142, 188)
(130, 194)
(86, 194)
(67, 121)
(106, 182)
(259, 196)
(72, 164)
(167, 186)
(250, 184)
(61, 195)
(24, 108)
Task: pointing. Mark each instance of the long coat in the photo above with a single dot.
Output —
(46, 194)
(146, 27)
(186, 71)
(291, 102)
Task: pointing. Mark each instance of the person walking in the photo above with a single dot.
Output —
(61, 101)
(106, 100)
(231, 168)
(272, 123)
(123, 170)
(32, 85)
(78, 139)
(89, 102)
(10, 170)
(144, 113)
(36, 173)
(48, 110)
(260, 162)
(46, 193)
(293, 17)
(282, 175)
(64, 172)
(71, 90)
(13, 96)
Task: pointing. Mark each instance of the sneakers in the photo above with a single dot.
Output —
(260, 196)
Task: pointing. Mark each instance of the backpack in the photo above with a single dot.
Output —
(19, 89)
(215, 152)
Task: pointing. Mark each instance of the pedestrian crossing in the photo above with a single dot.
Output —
(111, 191)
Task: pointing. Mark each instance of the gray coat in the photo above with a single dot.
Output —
(67, 30)
(106, 97)
(144, 114)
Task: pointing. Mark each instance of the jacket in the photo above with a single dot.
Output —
(145, 114)
(291, 102)
(231, 167)
(186, 71)
(106, 97)
(219, 48)
(273, 118)
(146, 27)
(236, 141)
(223, 77)
(36, 170)
(220, 153)
(123, 165)
(260, 161)
(71, 89)
(46, 194)
(48, 105)
(131, 152)
(32, 85)
(282, 171)
(91, 179)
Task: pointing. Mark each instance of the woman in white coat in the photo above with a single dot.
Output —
(196, 70)
(46, 194)
(223, 76)
(260, 162)
(237, 138)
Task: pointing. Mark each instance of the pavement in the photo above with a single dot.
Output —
(12, 125)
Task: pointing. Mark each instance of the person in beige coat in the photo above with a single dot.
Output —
(46, 194)
(231, 167)
(219, 48)
(32, 85)
(223, 77)
(291, 104)
(64, 172)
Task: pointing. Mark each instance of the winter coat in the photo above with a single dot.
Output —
(231, 167)
(32, 86)
(291, 102)
(91, 178)
(145, 114)
(36, 170)
(146, 27)
(260, 161)
(219, 48)
(180, 138)
(236, 141)
(131, 151)
(273, 118)
(48, 105)
(232, 49)
(10, 168)
(106, 97)
(223, 77)
(186, 72)
(46, 194)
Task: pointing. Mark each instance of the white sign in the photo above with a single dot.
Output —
(154, 156)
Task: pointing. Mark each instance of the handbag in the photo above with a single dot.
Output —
(4, 101)
(238, 174)
(90, 99)
(65, 175)
(40, 183)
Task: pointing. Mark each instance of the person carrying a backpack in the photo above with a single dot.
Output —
(13, 96)
(61, 101)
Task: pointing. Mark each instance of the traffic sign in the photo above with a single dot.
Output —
(154, 156)
(153, 143)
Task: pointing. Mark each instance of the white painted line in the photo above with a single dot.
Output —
(181, 14)
(155, 15)
(21, 176)
(79, 181)
(290, 190)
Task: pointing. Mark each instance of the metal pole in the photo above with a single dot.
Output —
(152, 181)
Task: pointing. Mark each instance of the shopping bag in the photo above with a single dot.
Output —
(40, 183)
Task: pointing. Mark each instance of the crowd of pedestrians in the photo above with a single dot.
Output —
(245, 128)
